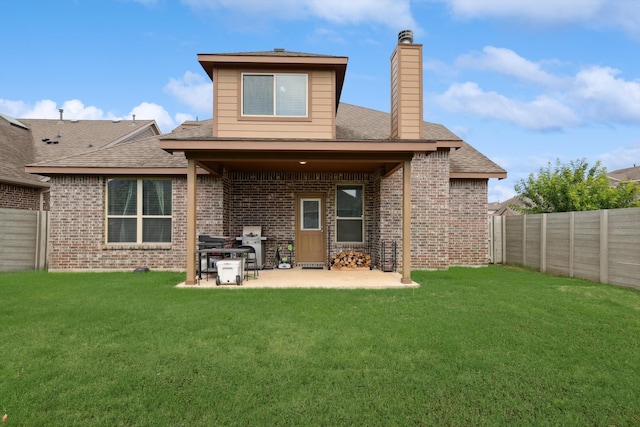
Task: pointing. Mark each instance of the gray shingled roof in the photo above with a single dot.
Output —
(469, 160)
(141, 153)
(352, 123)
(74, 137)
(355, 122)
(16, 146)
(626, 174)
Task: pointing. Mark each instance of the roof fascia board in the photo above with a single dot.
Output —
(477, 175)
(61, 170)
(387, 146)
(211, 59)
(24, 182)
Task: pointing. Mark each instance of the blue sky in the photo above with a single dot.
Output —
(524, 82)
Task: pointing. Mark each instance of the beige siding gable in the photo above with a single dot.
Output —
(230, 124)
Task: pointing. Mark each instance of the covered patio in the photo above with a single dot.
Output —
(219, 155)
(318, 279)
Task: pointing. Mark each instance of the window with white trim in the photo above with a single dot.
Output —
(274, 95)
(138, 211)
(349, 214)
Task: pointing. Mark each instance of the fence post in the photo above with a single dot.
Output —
(503, 244)
(604, 246)
(572, 240)
(524, 240)
(543, 244)
(491, 224)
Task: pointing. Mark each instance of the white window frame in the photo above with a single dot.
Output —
(275, 94)
(361, 218)
(302, 212)
(139, 216)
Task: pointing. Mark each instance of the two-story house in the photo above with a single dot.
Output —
(283, 153)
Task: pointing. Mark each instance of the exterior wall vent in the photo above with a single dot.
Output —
(405, 37)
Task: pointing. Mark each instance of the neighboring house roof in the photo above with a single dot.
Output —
(16, 146)
(627, 174)
(352, 123)
(504, 208)
(55, 139)
(492, 207)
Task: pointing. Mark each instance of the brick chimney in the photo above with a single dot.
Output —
(406, 88)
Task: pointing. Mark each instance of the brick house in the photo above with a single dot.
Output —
(281, 152)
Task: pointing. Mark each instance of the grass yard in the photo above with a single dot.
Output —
(491, 346)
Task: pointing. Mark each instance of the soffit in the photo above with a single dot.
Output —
(277, 60)
(299, 161)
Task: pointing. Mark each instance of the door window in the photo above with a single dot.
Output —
(310, 214)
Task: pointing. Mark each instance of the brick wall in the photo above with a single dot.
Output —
(448, 217)
(77, 232)
(468, 233)
(430, 210)
(268, 200)
(390, 214)
(21, 197)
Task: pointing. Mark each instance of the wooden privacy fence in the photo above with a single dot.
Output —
(23, 234)
(602, 245)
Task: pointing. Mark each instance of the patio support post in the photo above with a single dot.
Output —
(191, 222)
(406, 222)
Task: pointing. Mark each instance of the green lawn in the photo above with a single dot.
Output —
(490, 346)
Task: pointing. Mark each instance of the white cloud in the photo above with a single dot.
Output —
(75, 109)
(193, 90)
(621, 157)
(15, 109)
(183, 117)
(543, 113)
(593, 95)
(151, 111)
(392, 13)
(622, 14)
(506, 61)
(606, 97)
(48, 109)
(500, 191)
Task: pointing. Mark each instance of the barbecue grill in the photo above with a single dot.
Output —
(252, 236)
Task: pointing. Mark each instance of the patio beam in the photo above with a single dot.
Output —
(191, 222)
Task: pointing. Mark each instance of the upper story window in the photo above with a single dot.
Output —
(275, 95)
(139, 211)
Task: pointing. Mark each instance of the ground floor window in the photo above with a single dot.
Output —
(350, 214)
(138, 211)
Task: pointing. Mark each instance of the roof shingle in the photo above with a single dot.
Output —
(352, 123)
(55, 139)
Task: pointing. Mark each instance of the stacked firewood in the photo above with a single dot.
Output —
(351, 259)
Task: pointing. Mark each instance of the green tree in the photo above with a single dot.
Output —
(573, 187)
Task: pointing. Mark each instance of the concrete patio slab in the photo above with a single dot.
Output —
(299, 278)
